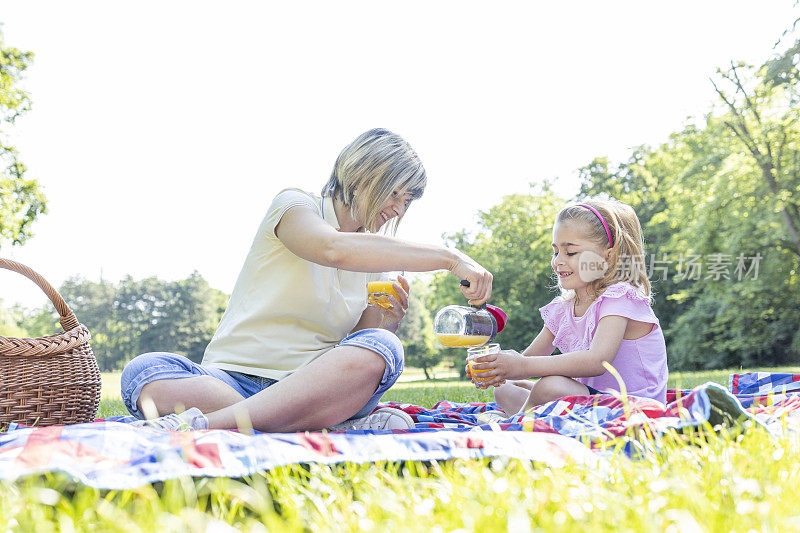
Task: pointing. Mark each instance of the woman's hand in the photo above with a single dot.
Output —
(480, 279)
(503, 365)
(391, 317)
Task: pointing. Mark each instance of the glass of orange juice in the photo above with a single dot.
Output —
(474, 353)
(378, 291)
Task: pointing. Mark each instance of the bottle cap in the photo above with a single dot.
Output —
(499, 315)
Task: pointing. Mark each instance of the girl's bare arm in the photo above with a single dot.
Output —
(584, 363)
(542, 344)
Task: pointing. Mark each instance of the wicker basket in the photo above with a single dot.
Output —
(48, 380)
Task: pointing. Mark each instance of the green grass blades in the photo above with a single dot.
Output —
(694, 483)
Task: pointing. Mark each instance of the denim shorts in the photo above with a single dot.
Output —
(155, 366)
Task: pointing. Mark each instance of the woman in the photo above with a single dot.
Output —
(298, 348)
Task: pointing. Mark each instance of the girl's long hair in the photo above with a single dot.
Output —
(626, 262)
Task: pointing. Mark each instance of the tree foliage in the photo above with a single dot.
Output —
(782, 69)
(763, 118)
(134, 316)
(21, 201)
(416, 331)
(10, 320)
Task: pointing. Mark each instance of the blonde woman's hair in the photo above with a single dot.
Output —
(626, 262)
(370, 169)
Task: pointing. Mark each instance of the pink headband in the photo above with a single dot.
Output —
(593, 210)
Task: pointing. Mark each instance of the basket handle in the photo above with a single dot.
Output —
(65, 314)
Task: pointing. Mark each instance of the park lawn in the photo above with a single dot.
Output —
(709, 481)
(426, 393)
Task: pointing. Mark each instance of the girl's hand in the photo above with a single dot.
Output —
(480, 279)
(478, 384)
(501, 366)
(485, 384)
(391, 317)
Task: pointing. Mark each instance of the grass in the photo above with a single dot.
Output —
(705, 481)
(419, 391)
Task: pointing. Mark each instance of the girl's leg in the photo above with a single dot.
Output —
(329, 390)
(551, 388)
(512, 395)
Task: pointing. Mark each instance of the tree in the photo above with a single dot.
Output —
(11, 322)
(93, 304)
(21, 201)
(39, 322)
(138, 316)
(763, 116)
(184, 316)
(784, 67)
(416, 331)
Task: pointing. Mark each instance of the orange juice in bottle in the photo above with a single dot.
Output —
(458, 341)
(459, 326)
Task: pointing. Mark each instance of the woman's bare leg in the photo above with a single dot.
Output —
(512, 395)
(207, 393)
(329, 390)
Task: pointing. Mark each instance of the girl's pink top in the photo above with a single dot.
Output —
(642, 363)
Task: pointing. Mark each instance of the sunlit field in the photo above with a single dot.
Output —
(698, 481)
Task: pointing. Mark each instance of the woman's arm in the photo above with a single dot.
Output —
(372, 318)
(585, 363)
(308, 236)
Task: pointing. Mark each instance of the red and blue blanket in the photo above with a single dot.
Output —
(112, 454)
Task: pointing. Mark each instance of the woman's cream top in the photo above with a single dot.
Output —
(284, 311)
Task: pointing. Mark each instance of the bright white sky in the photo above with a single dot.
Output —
(160, 131)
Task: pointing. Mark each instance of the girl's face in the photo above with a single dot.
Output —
(577, 261)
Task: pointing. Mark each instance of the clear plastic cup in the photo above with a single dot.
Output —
(378, 291)
(478, 351)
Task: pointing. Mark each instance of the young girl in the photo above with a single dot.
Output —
(602, 316)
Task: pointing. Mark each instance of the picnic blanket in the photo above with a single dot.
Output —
(112, 454)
